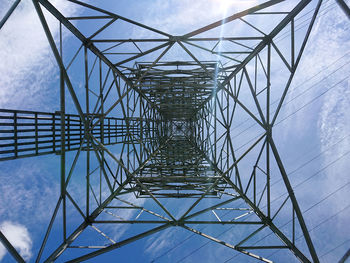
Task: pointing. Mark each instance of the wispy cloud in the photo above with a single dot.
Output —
(27, 66)
(127, 214)
(334, 120)
(157, 243)
(19, 237)
(27, 192)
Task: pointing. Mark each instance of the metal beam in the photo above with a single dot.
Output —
(343, 6)
(10, 248)
(119, 244)
(231, 18)
(345, 257)
(241, 250)
(8, 13)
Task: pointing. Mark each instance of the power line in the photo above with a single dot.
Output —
(313, 175)
(346, 55)
(314, 99)
(312, 159)
(302, 93)
(329, 251)
(291, 114)
(303, 23)
(305, 211)
(319, 224)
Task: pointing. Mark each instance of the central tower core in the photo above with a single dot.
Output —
(178, 91)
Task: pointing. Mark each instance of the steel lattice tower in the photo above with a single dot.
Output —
(155, 119)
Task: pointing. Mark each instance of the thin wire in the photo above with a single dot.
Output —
(302, 25)
(302, 93)
(318, 225)
(291, 114)
(314, 158)
(301, 183)
(313, 99)
(307, 179)
(297, 110)
(279, 38)
(327, 166)
(335, 248)
(305, 211)
(315, 74)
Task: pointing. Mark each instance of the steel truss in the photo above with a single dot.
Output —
(172, 122)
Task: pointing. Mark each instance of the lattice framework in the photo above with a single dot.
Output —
(172, 120)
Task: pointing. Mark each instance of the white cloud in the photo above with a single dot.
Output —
(162, 240)
(26, 64)
(333, 118)
(178, 17)
(30, 190)
(19, 237)
(334, 123)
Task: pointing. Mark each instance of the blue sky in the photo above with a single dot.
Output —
(313, 134)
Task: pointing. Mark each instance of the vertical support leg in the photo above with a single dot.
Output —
(268, 130)
(63, 143)
(101, 127)
(87, 120)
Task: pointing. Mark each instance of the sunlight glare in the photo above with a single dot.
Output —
(223, 5)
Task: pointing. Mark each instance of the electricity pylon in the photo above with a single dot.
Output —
(157, 119)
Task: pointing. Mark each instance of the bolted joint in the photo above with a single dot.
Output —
(178, 223)
(87, 43)
(267, 39)
(88, 220)
(268, 221)
(176, 38)
(268, 128)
